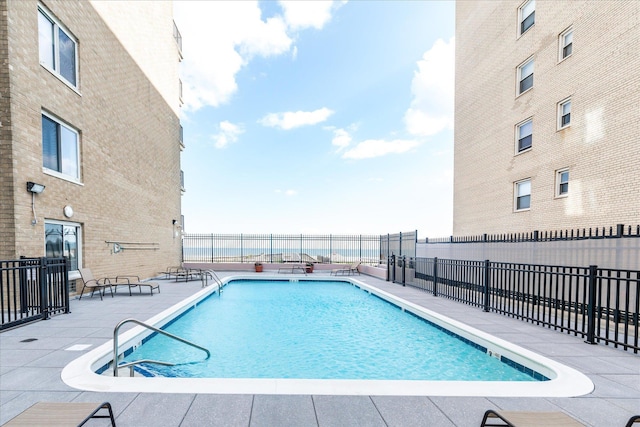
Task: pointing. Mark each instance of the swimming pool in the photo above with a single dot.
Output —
(320, 330)
(563, 381)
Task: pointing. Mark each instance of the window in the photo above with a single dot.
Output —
(524, 135)
(60, 152)
(525, 76)
(62, 239)
(523, 195)
(566, 43)
(57, 48)
(527, 15)
(564, 113)
(562, 182)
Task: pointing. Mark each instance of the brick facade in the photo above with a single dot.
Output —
(600, 147)
(129, 186)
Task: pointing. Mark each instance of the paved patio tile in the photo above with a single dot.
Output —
(340, 411)
(409, 411)
(463, 411)
(219, 410)
(155, 410)
(283, 411)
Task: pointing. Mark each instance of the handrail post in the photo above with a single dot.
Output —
(591, 308)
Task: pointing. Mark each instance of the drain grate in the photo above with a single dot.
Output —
(29, 340)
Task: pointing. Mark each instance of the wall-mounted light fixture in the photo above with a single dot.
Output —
(176, 228)
(34, 189)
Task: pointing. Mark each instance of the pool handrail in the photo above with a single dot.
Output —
(204, 277)
(153, 328)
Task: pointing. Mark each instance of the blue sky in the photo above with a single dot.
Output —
(317, 117)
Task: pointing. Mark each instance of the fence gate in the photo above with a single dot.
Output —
(400, 250)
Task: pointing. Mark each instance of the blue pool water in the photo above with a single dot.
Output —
(315, 330)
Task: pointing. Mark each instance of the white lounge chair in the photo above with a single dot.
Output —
(352, 269)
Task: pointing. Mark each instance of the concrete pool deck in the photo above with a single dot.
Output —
(30, 372)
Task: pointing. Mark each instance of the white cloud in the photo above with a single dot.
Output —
(378, 147)
(228, 134)
(341, 139)
(221, 37)
(294, 119)
(304, 14)
(431, 109)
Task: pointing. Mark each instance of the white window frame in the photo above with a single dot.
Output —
(560, 182)
(522, 18)
(55, 67)
(73, 274)
(562, 43)
(561, 106)
(516, 192)
(520, 78)
(519, 126)
(60, 174)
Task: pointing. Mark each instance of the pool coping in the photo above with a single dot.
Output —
(563, 380)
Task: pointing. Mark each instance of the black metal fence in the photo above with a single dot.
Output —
(600, 305)
(613, 232)
(274, 248)
(32, 289)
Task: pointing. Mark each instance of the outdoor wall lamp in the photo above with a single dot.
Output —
(34, 189)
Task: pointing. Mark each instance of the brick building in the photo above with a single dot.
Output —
(89, 105)
(547, 115)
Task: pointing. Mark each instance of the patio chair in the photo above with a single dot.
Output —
(89, 282)
(134, 281)
(61, 414)
(633, 420)
(528, 419)
(352, 269)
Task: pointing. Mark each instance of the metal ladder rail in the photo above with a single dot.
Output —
(160, 331)
(210, 273)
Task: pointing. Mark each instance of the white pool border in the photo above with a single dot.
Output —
(564, 381)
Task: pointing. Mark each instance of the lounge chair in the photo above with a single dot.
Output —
(61, 414)
(89, 282)
(134, 281)
(352, 269)
(528, 419)
(292, 268)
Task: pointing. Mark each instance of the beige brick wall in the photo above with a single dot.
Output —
(7, 223)
(600, 148)
(129, 144)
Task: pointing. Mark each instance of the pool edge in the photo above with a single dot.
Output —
(564, 381)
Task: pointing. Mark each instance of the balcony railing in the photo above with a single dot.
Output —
(178, 38)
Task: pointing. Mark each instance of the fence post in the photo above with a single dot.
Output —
(591, 309)
(65, 284)
(42, 284)
(487, 284)
(404, 269)
(435, 277)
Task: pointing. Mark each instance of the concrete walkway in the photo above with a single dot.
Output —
(30, 372)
